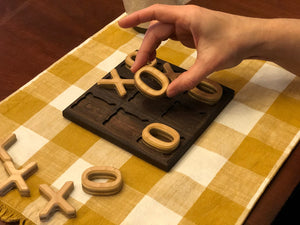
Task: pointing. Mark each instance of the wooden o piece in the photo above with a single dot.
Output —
(104, 172)
(209, 92)
(16, 178)
(5, 145)
(129, 60)
(57, 201)
(117, 83)
(157, 75)
(154, 130)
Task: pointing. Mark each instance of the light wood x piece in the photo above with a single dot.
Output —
(57, 201)
(5, 145)
(117, 83)
(16, 178)
(169, 72)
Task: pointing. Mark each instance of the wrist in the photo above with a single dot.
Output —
(257, 35)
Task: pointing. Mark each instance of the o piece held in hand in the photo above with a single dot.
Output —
(101, 172)
(157, 75)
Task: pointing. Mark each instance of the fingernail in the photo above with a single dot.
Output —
(133, 68)
(170, 93)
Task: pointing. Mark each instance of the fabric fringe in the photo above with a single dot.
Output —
(7, 214)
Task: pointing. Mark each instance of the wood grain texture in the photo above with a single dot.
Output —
(57, 201)
(34, 34)
(17, 178)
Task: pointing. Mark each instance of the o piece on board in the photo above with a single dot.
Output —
(207, 91)
(16, 178)
(154, 133)
(117, 83)
(5, 145)
(104, 172)
(57, 201)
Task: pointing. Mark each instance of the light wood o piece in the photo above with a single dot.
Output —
(154, 130)
(157, 75)
(117, 83)
(129, 60)
(5, 145)
(57, 201)
(16, 178)
(104, 172)
(208, 91)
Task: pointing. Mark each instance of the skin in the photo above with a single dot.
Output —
(222, 40)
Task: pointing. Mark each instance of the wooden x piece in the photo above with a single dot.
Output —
(169, 72)
(5, 146)
(57, 201)
(117, 83)
(16, 178)
(131, 58)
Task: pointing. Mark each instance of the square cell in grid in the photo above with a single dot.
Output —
(239, 117)
(200, 164)
(148, 212)
(112, 61)
(273, 77)
(28, 143)
(66, 98)
(73, 173)
(48, 122)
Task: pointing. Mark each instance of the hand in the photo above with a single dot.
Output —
(222, 40)
(218, 38)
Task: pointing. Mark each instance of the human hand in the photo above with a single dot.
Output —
(222, 40)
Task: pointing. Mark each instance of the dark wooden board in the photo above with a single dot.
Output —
(122, 120)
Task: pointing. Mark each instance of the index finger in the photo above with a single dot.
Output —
(162, 13)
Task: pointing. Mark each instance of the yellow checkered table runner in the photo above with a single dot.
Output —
(217, 181)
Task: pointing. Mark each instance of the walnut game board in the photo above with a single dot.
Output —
(122, 120)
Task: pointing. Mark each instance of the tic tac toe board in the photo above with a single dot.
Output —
(122, 120)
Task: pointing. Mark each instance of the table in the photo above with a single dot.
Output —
(34, 34)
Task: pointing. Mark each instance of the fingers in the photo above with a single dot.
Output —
(189, 79)
(155, 34)
(162, 13)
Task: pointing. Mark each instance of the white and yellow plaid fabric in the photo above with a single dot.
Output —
(217, 181)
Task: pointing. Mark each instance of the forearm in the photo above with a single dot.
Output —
(278, 40)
